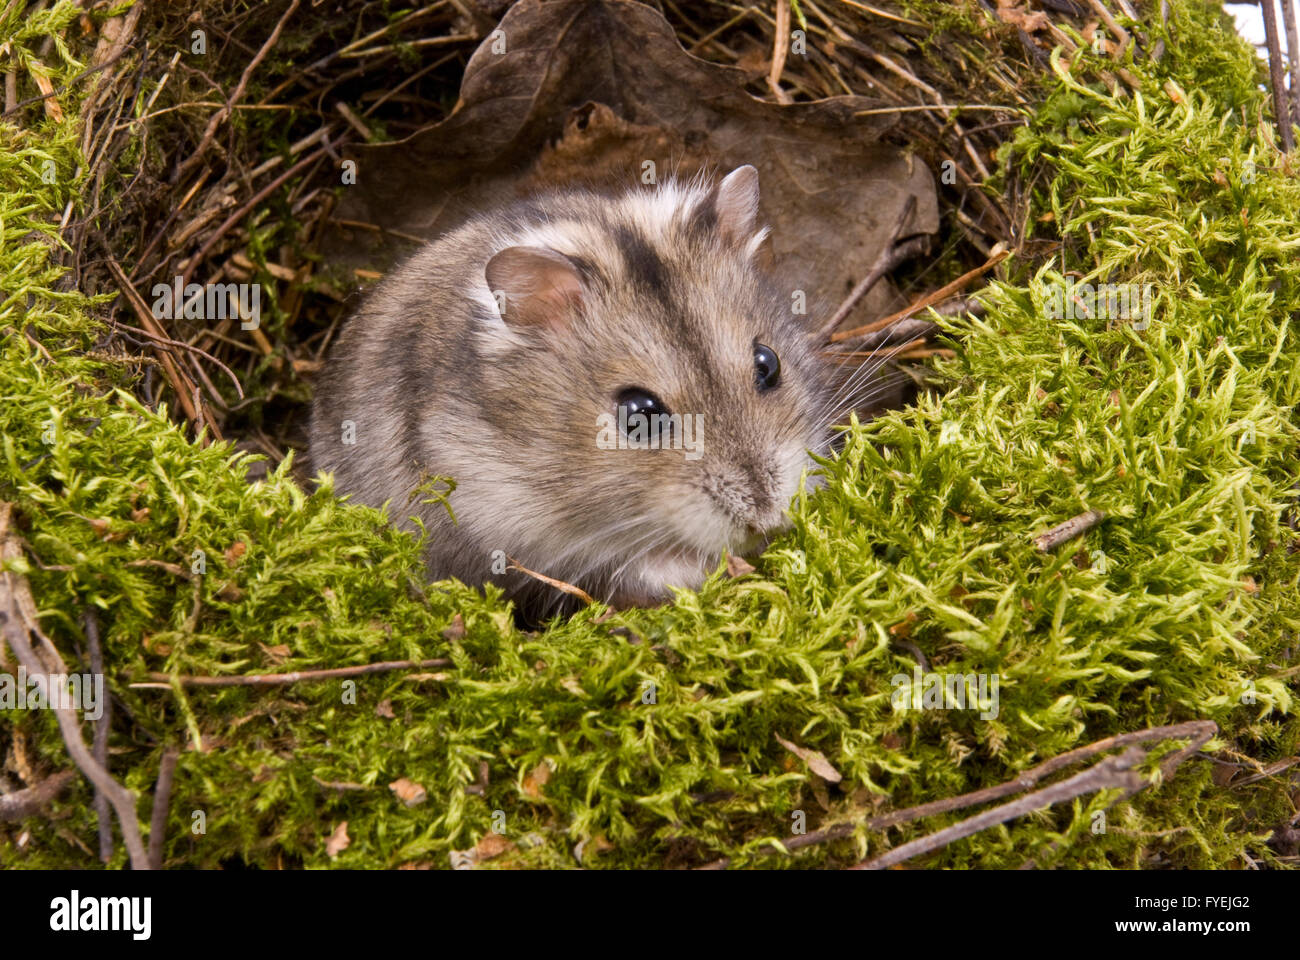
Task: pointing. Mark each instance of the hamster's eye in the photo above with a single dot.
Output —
(640, 410)
(767, 366)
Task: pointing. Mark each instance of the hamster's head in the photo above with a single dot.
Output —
(653, 394)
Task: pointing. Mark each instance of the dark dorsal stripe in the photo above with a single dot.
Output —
(644, 266)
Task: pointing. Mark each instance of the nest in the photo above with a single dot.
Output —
(229, 171)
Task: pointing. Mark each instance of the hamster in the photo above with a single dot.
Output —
(617, 389)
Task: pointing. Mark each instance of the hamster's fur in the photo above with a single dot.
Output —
(655, 289)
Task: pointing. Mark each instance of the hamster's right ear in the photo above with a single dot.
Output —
(736, 201)
(535, 287)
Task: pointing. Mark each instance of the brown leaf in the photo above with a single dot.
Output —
(278, 653)
(1010, 11)
(411, 794)
(820, 794)
(588, 90)
(51, 103)
(816, 761)
(904, 629)
(539, 777)
(338, 841)
(1222, 773)
(738, 566)
(492, 845)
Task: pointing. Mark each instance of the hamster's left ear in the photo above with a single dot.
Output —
(735, 204)
(542, 288)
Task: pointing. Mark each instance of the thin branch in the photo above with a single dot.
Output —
(1281, 108)
(67, 86)
(219, 117)
(568, 588)
(780, 44)
(161, 801)
(1074, 527)
(1200, 730)
(180, 383)
(158, 338)
(18, 618)
(28, 802)
(249, 205)
(100, 744)
(890, 256)
(938, 296)
(284, 679)
(1293, 54)
(1111, 773)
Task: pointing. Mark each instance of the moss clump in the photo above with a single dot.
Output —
(1183, 600)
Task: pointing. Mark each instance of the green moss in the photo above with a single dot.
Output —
(1183, 433)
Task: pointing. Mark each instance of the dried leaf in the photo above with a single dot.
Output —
(816, 761)
(338, 841)
(588, 90)
(738, 566)
(234, 552)
(411, 794)
(492, 845)
(278, 653)
(51, 103)
(539, 777)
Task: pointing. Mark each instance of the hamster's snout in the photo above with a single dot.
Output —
(752, 497)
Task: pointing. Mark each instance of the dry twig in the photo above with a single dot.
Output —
(1074, 527)
(18, 619)
(297, 676)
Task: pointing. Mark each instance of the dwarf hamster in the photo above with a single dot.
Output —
(618, 391)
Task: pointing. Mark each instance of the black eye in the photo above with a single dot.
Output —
(640, 412)
(767, 367)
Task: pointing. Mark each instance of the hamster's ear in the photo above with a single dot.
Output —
(541, 288)
(736, 203)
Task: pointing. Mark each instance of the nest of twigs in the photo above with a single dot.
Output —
(224, 165)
